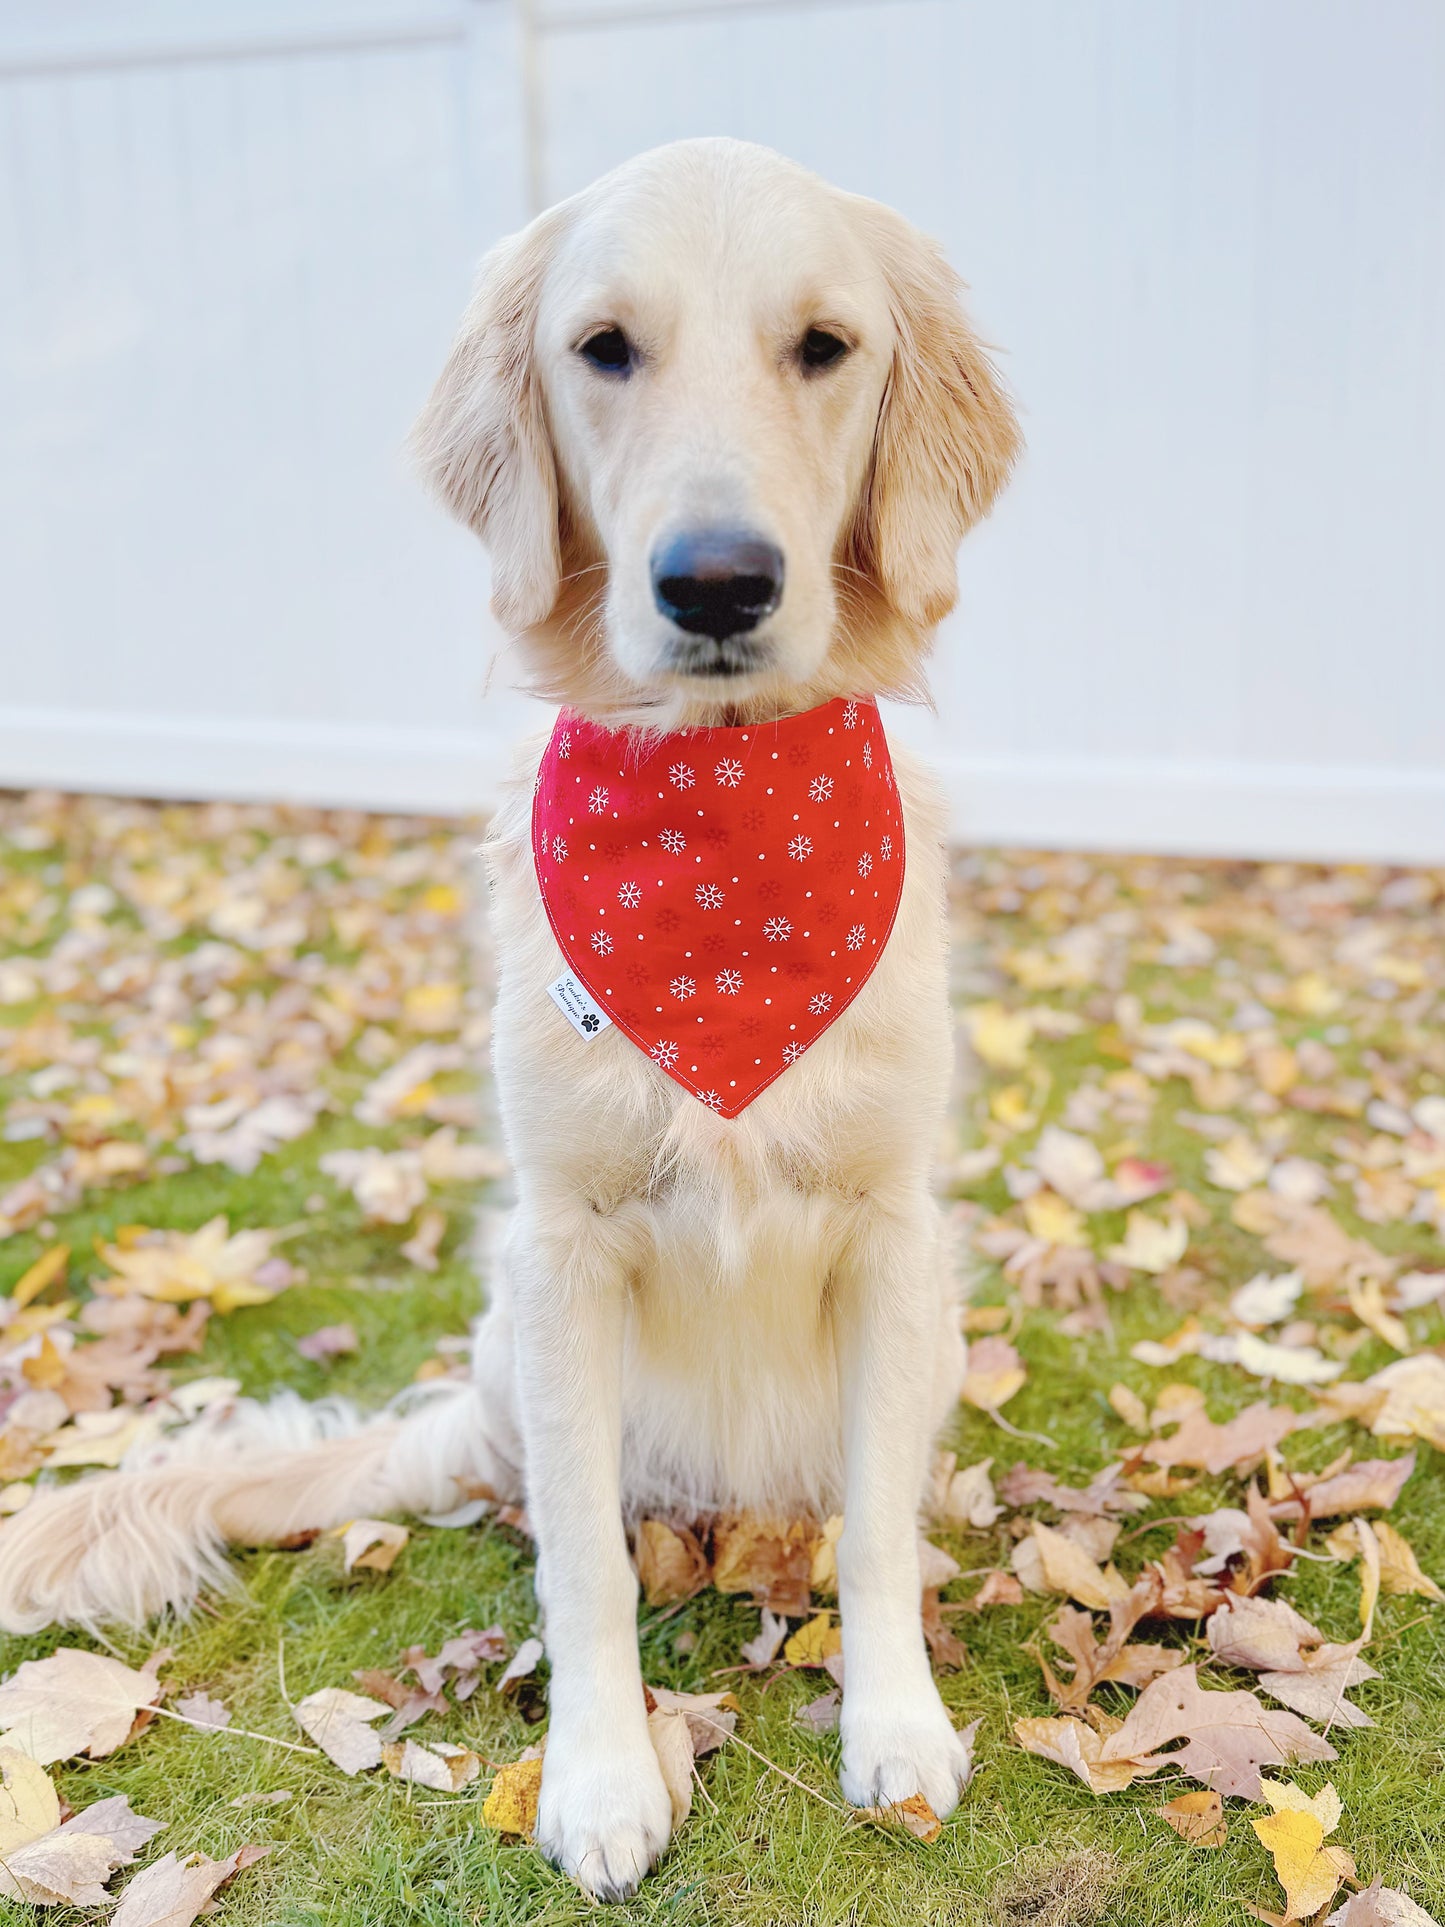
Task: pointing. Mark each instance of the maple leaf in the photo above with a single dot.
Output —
(769, 1558)
(1228, 1736)
(1104, 1494)
(372, 1545)
(1377, 1906)
(340, 1724)
(1238, 1444)
(1373, 1482)
(1400, 1570)
(1070, 1743)
(52, 1863)
(73, 1702)
(1294, 1832)
(814, 1643)
(176, 1267)
(172, 1892)
(1111, 1658)
(994, 1373)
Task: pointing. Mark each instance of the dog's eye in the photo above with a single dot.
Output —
(609, 349)
(820, 349)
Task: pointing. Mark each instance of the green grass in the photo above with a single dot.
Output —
(1030, 1845)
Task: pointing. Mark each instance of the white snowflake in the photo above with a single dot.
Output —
(673, 841)
(865, 865)
(777, 930)
(792, 1052)
(597, 801)
(629, 896)
(822, 1000)
(729, 982)
(602, 943)
(711, 1099)
(821, 788)
(682, 776)
(559, 849)
(885, 849)
(867, 755)
(850, 715)
(856, 936)
(682, 988)
(664, 1053)
(709, 896)
(800, 848)
(564, 744)
(729, 772)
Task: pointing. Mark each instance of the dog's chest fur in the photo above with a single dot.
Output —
(733, 1229)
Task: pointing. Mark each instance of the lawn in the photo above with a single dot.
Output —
(1263, 1035)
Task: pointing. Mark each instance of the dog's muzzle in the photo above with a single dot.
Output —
(716, 586)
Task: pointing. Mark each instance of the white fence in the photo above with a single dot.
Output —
(235, 235)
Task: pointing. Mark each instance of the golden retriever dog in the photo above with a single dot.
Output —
(722, 428)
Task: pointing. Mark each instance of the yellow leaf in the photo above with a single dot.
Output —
(1011, 1107)
(1313, 996)
(1069, 1569)
(1197, 1818)
(671, 1565)
(814, 1642)
(1149, 1245)
(1308, 1871)
(1369, 1573)
(995, 1372)
(1399, 1568)
(1130, 1407)
(29, 1804)
(43, 1272)
(1053, 1221)
(372, 1545)
(511, 1806)
(824, 1574)
(1000, 1037)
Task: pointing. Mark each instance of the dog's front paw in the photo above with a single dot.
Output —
(604, 1815)
(897, 1746)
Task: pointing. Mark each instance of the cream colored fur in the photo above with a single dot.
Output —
(693, 1314)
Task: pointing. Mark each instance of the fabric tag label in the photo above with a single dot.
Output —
(583, 1013)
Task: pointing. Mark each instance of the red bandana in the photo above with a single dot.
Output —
(722, 894)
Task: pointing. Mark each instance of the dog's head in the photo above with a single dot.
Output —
(722, 428)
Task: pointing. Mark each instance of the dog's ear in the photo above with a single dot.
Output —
(482, 442)
(946, 436)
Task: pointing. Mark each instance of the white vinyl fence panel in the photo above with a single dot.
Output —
(1209, 236)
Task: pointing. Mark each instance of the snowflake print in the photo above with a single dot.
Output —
(667, 919)
(729, 982)
(729, 772)
(850, 715)
(868, 755)
(856, 936)
(800, 848)
(597, 801)
(777, 929)
(792, 1052)
(754, 820)
(865, 865)
(664, 1053)
(799, 754)
(629, 896)
(682, 988)
(559, 849)
(602, 943)
(564, 744)
(681, 776)
(711, 1099)
(708, 896)
(821, 788)
(820, 1001)
(885, 849)
(673, 841)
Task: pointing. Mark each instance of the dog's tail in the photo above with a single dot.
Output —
(122, 1546)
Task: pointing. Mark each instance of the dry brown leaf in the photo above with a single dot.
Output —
(340, 1724)
(1072, 1744)
(914, 1815)
(711, 1717)
(1377, 1906)
(443, 1768)
(1228, 1736)
(671, 1563)
(1067, 1568)
(173, 1892)
(1236, 1445)
(372, 1545)
(51, 1863)
(328, 1341)
(672, 1743)
(1373, 1482)
(73, 1702)
(1198, 1818)
(201, 1710)
(995, 1372)
(771, 1559)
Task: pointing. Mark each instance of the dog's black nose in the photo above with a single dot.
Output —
(717, 582)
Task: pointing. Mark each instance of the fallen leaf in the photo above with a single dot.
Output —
(814, 1643)
(711, 1717)
(73, 1702)
(1377, 1906)
(172, 1892)
(1129, 1407)
(1309, 1871)
(672, 1743)
(995, 1372)
(52, 1863)
(1067, 1568)
(177, 1267)
(443, 1768)
(1198, 1818)
(202, 1710)
(1228, 1736)
(671, 1563)
(340, 1724)
(328, 1341)
(1236, 1445)
(762, 1650)
(1149, 1244)
(511, 1805)
(914, 1815)
(771, 1559)
(1070, 1743)
(372, 1545)
(523, 1663)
